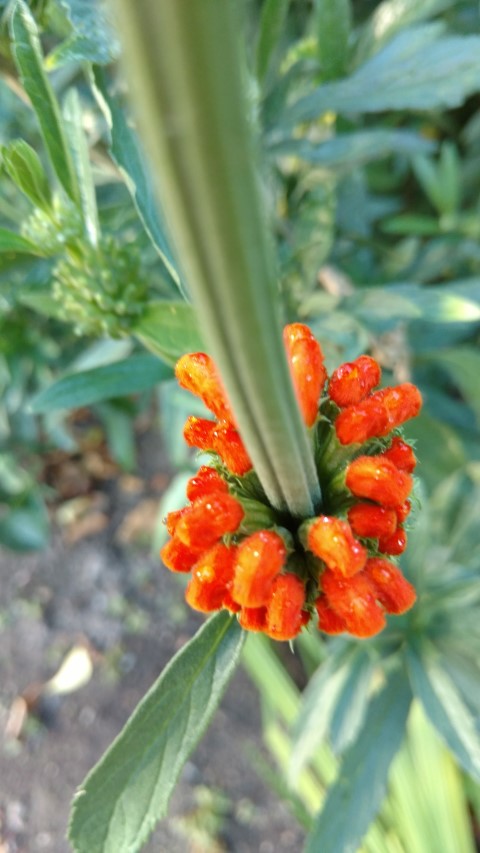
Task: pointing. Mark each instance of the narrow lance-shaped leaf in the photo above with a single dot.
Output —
(10, 242)
(272, 22)
(72, 113)
(126, 154)
(29, 60)
(128, 792)
(185, 66)
(333, 25)
(445, 707)
(129, 376)
(356, 796)
(23, 165)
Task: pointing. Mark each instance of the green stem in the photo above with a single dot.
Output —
(186, 74)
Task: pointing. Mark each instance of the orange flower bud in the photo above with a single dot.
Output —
(197, 373)
(211, 578)
(205, 481)
(394, 544)
(228, 444)
(260, 557)
(173, 518)
(179, 557)
(332, 540)
(198, 432)
(230, 604)
(352, 381)
(402, 455)
(209, 518)
(253, 618)
(378, 479)
(308, 373)
(391, 588)
(401, 403)
(403, 511)
(329, 621)
(367, 419)
(370, 521)
(285, 608)
(354, 599)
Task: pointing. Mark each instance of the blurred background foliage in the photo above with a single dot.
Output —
(369, 145)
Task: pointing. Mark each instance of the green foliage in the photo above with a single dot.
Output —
(29, 60)
(120, 801)
(352, 801)
(129, 376)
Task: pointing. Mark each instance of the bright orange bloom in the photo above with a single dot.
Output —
(228, 444)
(198, 432)
(238, 566)
(367, 419)
(197, 373)
(179, 557)
(391, 588)
(173, 518)
(402, 403)
(253, 618)
(394, 544)
(285, 608)
(332, 540)
(205, 481)
(329, 621)
(370, 521)
(354, 599)
(260, 557)
(308, 373)
(403, 511)
(378, 479)
(211, 579)
(352, 381)
(209, 518)
(402, 455)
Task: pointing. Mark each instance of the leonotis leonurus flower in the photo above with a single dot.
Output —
(277, 572)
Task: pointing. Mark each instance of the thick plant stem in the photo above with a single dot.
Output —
(186, 77)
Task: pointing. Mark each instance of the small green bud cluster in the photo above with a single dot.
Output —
(101, 289)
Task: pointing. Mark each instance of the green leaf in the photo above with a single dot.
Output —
(433, 304)
(15, 243)
(318, 708)
(355, 797)
(446, 71)
(463, 365)
(128, 792)
(347, 151)
(92, 40)
(169, 329)
(73, 116)
(29, 61)
(333, 20)
(23, 165)
(353, 701)
(427, 802)
(129, 376)
(444, 706)
(272, 23)
(389, 18)
(127, 155)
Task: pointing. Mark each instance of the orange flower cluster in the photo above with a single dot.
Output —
(276, 572)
